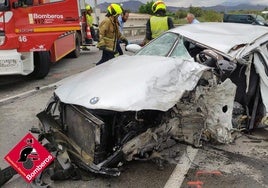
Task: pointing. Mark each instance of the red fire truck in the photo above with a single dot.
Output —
(34, 33)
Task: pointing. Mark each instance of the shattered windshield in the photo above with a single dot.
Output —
(180, 50)
(168, 43)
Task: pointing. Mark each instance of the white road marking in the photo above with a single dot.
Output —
(178, 174)
(26, 94)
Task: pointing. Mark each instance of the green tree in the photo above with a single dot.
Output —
(147, 8)
(180, 14)
(211, 16)
(197, 11)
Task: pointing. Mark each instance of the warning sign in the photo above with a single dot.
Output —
(29, 158)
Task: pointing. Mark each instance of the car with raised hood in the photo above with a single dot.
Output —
(195, 83)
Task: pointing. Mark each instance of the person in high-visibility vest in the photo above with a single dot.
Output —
(158, 23)
(109, 33)
(90, 20)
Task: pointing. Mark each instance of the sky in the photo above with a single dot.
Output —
(187, 3)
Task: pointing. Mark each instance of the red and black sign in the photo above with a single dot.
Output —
(29, 158)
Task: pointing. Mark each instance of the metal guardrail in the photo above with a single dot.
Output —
(132, 31)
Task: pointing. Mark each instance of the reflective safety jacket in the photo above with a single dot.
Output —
(109, 34)
(158, 25)
(89, 19)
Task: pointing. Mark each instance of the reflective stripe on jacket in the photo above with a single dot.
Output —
(158, 25)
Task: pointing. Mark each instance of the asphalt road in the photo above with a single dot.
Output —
(243, 164)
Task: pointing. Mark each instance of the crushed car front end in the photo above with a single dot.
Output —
(194, 88)
(100, 139)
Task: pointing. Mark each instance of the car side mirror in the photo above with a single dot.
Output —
(133, 48)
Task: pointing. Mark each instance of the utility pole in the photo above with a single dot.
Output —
(97, 11)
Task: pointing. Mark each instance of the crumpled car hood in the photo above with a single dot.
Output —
(132, 83)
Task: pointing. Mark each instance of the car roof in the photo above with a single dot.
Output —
(223, 36)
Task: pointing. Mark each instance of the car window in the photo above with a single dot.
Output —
(250, 19)
(180, 50)
(160, 46)
(238, 18)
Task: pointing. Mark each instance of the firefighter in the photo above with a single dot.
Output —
(90, 20)
(109, 33)
(158, 23)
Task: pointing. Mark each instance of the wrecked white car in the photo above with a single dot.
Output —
(195, 82)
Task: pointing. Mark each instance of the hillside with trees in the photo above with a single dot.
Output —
(201, 13)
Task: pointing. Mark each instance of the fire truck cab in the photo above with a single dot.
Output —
(34, 33)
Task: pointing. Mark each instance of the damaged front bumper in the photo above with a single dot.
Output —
(66, 149)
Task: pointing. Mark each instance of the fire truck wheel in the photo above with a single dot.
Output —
(41, 64)
(76, 52)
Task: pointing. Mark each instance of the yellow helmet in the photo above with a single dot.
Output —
(158, 5)
(114, 9)
(88, 7)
